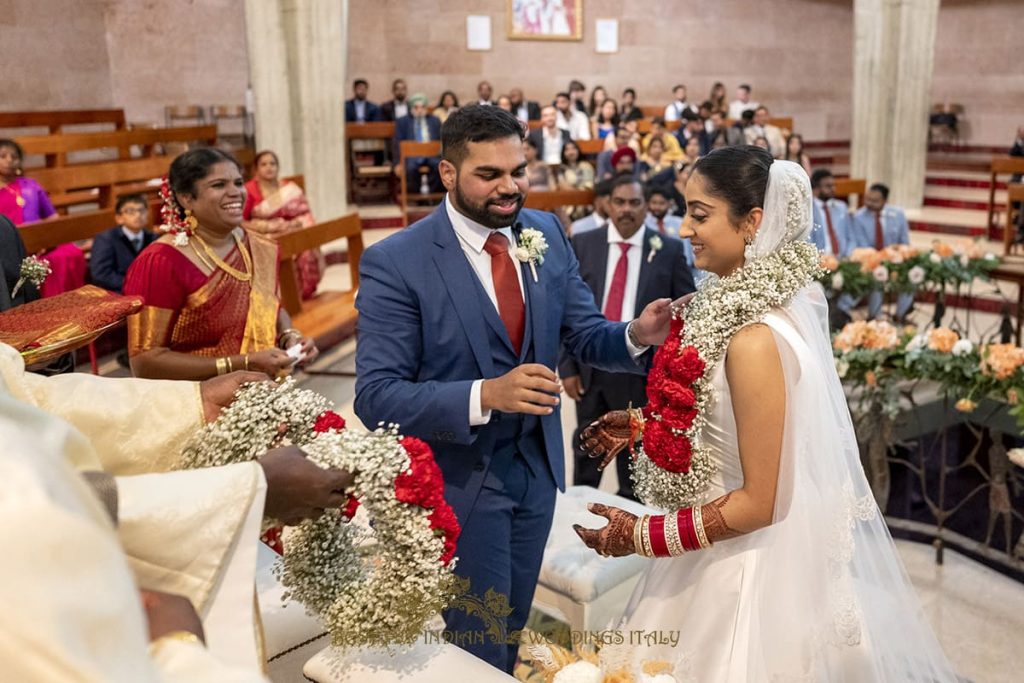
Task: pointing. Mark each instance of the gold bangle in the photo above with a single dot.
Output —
(231, 365)
(285, 333)
(222, 366)
(638, 545)
(247, 362)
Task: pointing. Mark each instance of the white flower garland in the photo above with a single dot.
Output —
(371, 586)
(720, 309)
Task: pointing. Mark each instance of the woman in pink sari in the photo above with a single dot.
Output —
(23, 201)
(273, 208)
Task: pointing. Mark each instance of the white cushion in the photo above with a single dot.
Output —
(434, 662)
(286, 626)
(570, 567)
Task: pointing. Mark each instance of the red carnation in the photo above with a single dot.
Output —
(349, 511)
(672, 393)
(667, 451)
(687, 367)
(422, 484)
(327, 421)
(444, 522)
(678, 418)
(676, 327)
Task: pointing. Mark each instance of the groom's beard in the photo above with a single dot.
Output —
(480, 213)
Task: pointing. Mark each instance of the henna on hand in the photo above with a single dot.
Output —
(607, 436)
(715, 526)
(615, 539)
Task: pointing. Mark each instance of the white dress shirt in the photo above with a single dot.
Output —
(635, 253)
(577, 124)
(552, 146)
(472, 237)
(523, 113)
(736, 108)
(674, 111)
(401, 109)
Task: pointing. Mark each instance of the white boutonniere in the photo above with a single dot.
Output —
(656, 245)
(34, 270)
(530, 248)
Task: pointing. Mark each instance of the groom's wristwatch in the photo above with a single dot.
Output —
(631, 334)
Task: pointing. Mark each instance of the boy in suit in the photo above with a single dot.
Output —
(115, 249)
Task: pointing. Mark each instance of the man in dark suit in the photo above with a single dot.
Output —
(359, 109)
(549, 138)
(459, 335)
(12, 253)
(484, 93)
(420, 126)
(626, 266)
(524, 109)
(397, 106)
(114, 250)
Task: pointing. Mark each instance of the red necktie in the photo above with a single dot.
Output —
(617, 292)
(506, 289)
(661, 225)
(831, 230)
(879, 235)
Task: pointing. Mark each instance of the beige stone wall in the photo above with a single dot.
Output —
(796, 53)
(978, 64)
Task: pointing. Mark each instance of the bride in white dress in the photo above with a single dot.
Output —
(772, 562)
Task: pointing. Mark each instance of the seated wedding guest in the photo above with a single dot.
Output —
(606, 120)
(673, 181)
(359, 109)
(397, 106)
(674, 111)
(673, 152)
(795, 152)
(717, 99)
(879, 225)
(23, 200)
(1017, 150)
(693, 150)
(484, 92)
(762, 142)
(418, 126)
(629, 111)
(575, 173)
(597, 219)
(597, 97)
(624, 162)
(772, 134)
(742, 102)
(536, 170)
(723, 132)
(653, 161)
(622, 138)
(274, 207)
(704, 112)
(524, 109)
(114, 250)
(577, 92)
(211, 303)
(571, 119)
(504, 102)
(738, 130)
(549, 138)
(693, 129)
(626, 266)
(446, 104)
(634, 139)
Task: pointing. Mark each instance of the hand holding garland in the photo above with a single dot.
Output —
(754, 372)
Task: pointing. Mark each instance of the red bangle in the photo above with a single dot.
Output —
(657, 533)
(687, 533)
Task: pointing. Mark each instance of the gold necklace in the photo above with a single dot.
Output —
(233, 272)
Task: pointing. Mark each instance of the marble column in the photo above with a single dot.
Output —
(297, 54)
(894, 45)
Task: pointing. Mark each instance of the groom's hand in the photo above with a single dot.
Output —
(298, 488)
(532, 389)
(615, 539)
(607, 436)
(651, 328)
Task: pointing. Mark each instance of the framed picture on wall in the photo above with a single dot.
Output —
(545, 19)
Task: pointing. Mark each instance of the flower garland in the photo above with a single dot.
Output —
(673, 467)
(373, 585)
(170, 215)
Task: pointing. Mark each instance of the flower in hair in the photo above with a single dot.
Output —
(170, 214)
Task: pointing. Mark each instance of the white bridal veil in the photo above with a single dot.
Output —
(832, 601)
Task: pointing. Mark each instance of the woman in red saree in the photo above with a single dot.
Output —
(274, 207)
(210, 288)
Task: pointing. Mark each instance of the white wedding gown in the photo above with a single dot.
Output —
(820, 595)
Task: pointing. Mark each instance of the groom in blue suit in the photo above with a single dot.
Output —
(461, 318)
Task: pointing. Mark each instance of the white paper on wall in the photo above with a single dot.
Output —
(478, 32)
(607, 35)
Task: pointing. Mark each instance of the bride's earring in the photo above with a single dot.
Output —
(748, 251)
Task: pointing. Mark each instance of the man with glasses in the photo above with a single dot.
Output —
(114, 250)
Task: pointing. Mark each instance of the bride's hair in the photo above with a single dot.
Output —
(737, 175)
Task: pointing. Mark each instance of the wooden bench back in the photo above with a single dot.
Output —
(42, 235)
(373, 130)
(55, 147)
(62, 182)
(845, 187)
(294, 243)
(590, 148)
(57, 119)
(411, 148)
(1014, 194)
(553, 199)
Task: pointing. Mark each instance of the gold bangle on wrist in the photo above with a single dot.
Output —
(247, 362)
(281, 337)
(638, 528)
(222, 366)
(231, 365)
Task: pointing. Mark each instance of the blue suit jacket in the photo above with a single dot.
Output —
(895, 229)
(424, 325)
(841, 223)
(372, 111)
(112, 253)
(405, 129)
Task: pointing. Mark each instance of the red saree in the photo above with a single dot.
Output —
(286, 204)
(205, 315)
